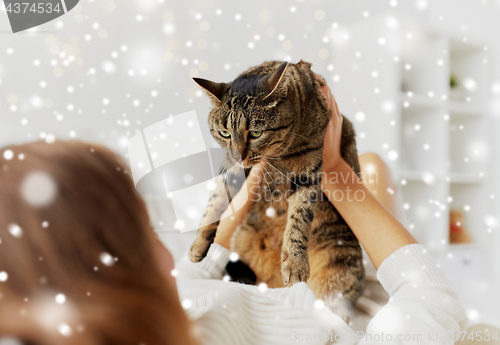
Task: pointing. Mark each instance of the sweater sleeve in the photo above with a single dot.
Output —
(423, 308)
(211, 267)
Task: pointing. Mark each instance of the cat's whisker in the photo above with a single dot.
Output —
(281, 197)
(298, 135)
(270, 176)
(224, 180)
(283, 174)
(271, 157)
(268, 186)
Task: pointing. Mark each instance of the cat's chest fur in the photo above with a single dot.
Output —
(259, 239)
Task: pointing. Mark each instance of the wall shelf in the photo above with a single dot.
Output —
(465, 109)
(464, 178)
(420, 101)
(465, 246)
(418, 176)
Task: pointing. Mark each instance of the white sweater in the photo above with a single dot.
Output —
(423, 308)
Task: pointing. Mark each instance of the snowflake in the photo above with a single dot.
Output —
(270, 212)
(234, 257)
(38, 188)
(15, 230)
(187, 303)
(60, 298)
(65, 329)
(106, 259)
(319, 304)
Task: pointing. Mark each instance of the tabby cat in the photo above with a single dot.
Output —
(275, 116)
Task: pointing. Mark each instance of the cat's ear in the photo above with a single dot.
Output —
(213, 89)
(274, 81)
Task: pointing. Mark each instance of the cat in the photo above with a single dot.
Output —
(275, 116)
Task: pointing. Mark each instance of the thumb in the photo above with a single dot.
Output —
(246, 196)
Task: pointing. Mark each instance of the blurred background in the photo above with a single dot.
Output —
(420, 79)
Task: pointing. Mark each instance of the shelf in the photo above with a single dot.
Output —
(469, 199)
(430, 178)
(411, 175)
(460, 48)
(467, 65)
(457, 108)
(465, 246)
(419, 176)
(461, 261)
(464, 178)
(420, 101)
(457, 247)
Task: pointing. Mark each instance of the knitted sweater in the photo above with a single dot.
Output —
(423, 307)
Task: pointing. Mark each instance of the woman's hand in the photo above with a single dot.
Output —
(333, 135)
(241, 203)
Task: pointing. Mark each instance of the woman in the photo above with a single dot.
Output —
(79, 264)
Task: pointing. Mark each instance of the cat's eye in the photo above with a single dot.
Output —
(255, 134)
(225, 134)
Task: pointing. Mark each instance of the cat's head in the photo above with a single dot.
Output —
(252, 116)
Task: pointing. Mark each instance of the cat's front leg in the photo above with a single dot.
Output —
(294, 253)
(217, 204)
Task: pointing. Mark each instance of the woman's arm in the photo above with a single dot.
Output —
(423, 307)
(375, 227)
(377, 230)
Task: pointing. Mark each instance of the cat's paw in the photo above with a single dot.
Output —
(201, 244)
(294, 268)
(338, 305)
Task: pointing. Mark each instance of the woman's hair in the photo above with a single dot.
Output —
(76, 252)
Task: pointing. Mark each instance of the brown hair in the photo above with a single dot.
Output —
(90, 241)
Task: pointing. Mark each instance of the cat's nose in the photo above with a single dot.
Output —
(239, 156)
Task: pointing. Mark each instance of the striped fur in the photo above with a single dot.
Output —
(307, 239)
